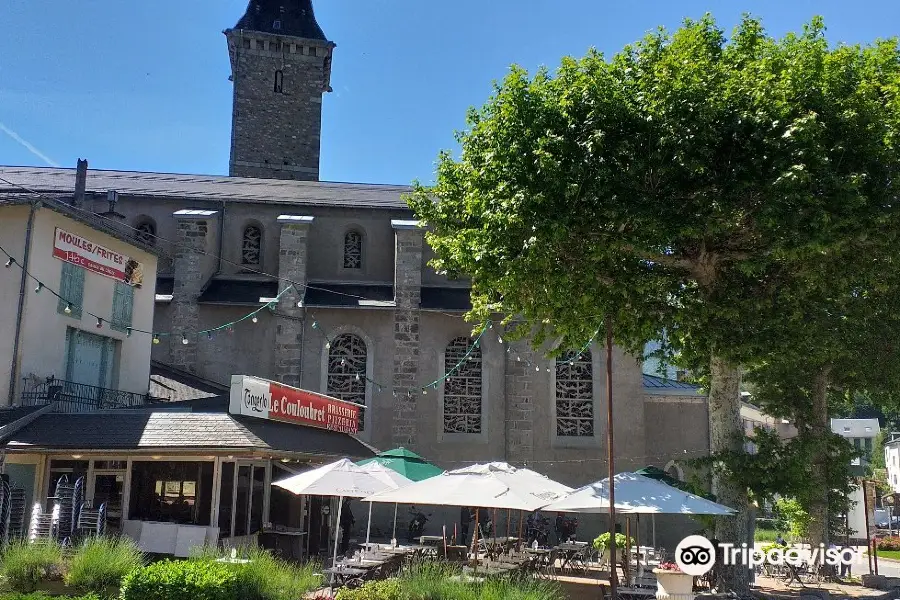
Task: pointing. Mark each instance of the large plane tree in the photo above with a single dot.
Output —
(675, 187)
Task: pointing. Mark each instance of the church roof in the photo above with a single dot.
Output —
(282, 17)
(59, 181)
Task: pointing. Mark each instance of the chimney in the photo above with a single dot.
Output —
(80, 182)
(112, 196)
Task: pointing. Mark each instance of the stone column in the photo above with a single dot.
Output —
(519, 393)
(191, 238)
(409, 239)
(292, 255)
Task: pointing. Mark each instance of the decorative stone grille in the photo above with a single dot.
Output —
(347, 373)
(462, 389)
(251, 245)
(353, 250)
(575, 395)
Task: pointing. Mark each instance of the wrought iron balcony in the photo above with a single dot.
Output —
(69, 397)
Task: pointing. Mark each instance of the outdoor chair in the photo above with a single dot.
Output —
(91, 522)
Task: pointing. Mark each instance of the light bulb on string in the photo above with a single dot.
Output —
(184, 339)
(68, 309)
(357, 376)
(255, 319)
(499, 339)
(209, 335)
(99, 322)
(424, 391)
(300, 304)
(10, 262)
(155, 339)
(128, 332)
(315, 325)
(327, 345)
(538, 368)
(39, 287)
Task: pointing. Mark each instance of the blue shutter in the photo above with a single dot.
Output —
(71, 290)
(123, 301)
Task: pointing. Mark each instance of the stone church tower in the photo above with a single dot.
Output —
(280, 66)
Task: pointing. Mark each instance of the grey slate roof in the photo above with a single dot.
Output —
(659, 385)
(11, 414)
(295, 17)
(331, 294)
(173, 385)
(209, 187)
(138, 430)
(223, 290)
(446, 298)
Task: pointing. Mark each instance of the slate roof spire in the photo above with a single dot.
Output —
(282, 17)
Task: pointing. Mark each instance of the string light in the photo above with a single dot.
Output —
(10, 261)
(155, 339)
(128, 332)
(68, 309)
(184, 339)
(254, 319)
(39, 287)
(99, 322)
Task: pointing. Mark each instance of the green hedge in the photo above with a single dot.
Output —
(100, 563)
(41, 596)
(181, 580)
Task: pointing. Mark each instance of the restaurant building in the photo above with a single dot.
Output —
(198, 472)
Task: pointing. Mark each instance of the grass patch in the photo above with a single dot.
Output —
(892, 554)
(265, 577)
(41, 596)
(24, 565)
(100, 563)
(765, 535)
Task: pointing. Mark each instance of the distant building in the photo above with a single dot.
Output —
(859, 432)
(892, 461)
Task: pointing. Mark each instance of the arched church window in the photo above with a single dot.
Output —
(251, 245)
(146, 232)
(279, 81)
(574, 395)
(347, 374)
(353, 250)
(462, 388)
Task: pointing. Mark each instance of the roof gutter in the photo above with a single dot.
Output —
(14, 367)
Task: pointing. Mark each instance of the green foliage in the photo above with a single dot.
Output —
(601, 542)
(436, 582)
(388, 589)
(268, 578)
(765, 535)
(796, 517)
(41, 596)
(24, 565)
(181, 580)
(101, 562)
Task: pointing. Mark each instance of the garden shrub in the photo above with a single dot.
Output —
(388, 589)
(601, 542)
(888, 543)
(268, 578)
(25, 565)
(42, 596)
(101, 562)
(181, 580)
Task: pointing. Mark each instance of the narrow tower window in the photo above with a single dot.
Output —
(353, 250)
(251, 246)
(279, 82)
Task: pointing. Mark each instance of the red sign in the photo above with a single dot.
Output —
(264, 399)
(94, 257)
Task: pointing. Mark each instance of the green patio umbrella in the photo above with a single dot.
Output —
(407, 463)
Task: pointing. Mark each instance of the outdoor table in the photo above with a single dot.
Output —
(343, 575)
(430, 540)
(573, 554)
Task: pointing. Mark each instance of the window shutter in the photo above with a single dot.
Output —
(71, 290)
(123, 301)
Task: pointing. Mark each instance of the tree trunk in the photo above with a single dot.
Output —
(725, 434)
(818, 432)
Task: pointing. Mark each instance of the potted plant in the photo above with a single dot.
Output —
(672, 582)
(601, 544)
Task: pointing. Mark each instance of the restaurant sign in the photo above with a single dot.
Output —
(264, 399)
(80, 251)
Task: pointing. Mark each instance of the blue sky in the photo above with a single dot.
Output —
(143, 85)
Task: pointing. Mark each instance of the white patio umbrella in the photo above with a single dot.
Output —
(637, 494)
(490, 485)
(390, 476)
(342, 479)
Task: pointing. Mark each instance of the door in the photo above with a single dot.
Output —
(250, 498)
(90, 361)
(108, 489)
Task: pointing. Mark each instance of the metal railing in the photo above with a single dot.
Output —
(69, 397)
